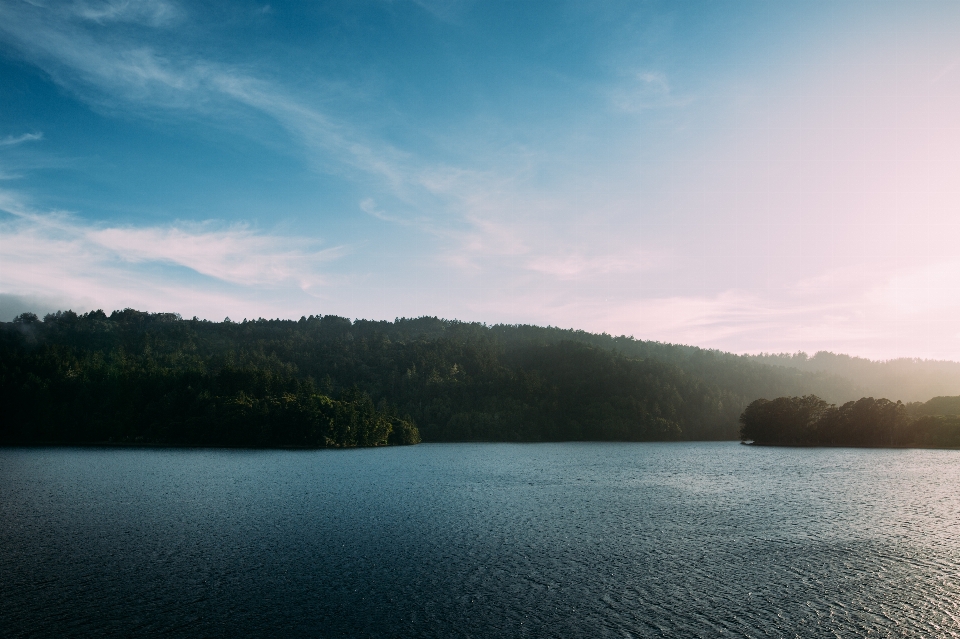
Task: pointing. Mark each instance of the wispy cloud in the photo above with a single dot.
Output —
(479, 213)
(120, 70)
(132, 71)
(644, 90)
(55, 254)
(476, 215)
(893, 317)
(574, 266)
(446, 10)
(12, 140)
(235, 254)
(149, 12)
(369, 206)
(116, 70)
(947, 70)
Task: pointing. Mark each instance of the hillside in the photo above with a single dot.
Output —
(135, 376)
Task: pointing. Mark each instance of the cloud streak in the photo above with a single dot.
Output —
(114, 68)
(116, 71)
(11, 140)
(149, 12)
(479, 213)
(646, 90)
(57, 255)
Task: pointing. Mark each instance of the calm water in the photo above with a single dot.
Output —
(486, 540)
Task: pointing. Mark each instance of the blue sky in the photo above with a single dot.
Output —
(752, 176)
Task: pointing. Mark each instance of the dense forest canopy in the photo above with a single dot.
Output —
(329, 381)
(810, 421)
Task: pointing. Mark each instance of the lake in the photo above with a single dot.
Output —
(481, 540)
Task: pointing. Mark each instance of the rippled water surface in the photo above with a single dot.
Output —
(481, 540)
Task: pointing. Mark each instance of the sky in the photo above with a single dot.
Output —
(748, 176)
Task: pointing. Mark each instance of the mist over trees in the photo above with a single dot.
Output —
(907, 379)
(329, 381)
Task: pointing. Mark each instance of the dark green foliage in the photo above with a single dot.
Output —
(810, 421)
(937, 431)
(784, 420)
(93, 379)
(327, 381)
(567, 391)
(935, 406)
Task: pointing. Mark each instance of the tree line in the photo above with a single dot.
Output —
(811, 421)
(329, 381)
(57, 390)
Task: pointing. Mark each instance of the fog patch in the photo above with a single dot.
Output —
(13, 305)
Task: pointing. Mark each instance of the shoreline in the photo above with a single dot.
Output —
(159, 445)
(854, 446)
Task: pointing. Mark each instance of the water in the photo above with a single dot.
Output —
(481, 540)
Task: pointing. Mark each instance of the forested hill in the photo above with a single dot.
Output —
(810, 421)
(909, 380)
(134, 376)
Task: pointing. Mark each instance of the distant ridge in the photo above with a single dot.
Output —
(906, 379)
